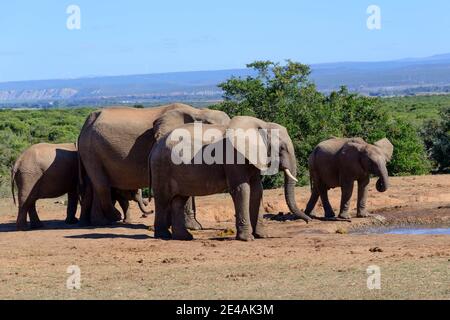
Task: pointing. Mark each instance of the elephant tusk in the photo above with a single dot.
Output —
(289, 174)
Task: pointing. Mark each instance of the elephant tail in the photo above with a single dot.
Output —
(149, 166)
(13, 178)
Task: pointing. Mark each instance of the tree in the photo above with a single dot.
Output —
(436, 134)
(285, 95)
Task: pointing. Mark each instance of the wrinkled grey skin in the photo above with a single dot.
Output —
(124, 196)
(45, 171)
(114, 145)
(338, 162)
(173, 184)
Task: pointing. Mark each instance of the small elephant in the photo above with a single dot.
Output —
(173, 182)
(124, 196)
(338, 162)
(45, 171)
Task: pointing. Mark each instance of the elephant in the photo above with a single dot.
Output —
(173, 182)
(114, 144)
(124, 196)
(338, 162)
(51, 170)
(45, 171)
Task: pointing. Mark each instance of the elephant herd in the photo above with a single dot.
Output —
(122, 150)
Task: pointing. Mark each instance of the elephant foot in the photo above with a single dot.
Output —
(330, 215)
(36, 225)
(100, 221)
(261, 233)
(22, 227)
(244, 235)
(72, 220)
(163, 234)
(345, 216)
(83, 223)
(182, 235)
(363, 214)
(128, 220)
(115, 216)
(193, 224)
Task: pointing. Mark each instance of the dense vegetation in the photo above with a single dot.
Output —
(417, 126)
(436, 135)
(417, 109)
(285, 95)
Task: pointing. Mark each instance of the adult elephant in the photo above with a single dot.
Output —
(338, 162)
(227, 163)
(114, 144)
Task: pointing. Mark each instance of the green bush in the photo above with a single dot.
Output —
(285, 95)
(436, 134)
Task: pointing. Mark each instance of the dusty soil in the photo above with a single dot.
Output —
(321, 260)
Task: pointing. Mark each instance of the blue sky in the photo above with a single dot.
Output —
(136, 36)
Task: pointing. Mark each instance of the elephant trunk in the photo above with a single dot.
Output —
(142, 205)
(383, 182)
(289, 193)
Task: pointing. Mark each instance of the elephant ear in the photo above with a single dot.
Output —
(170, 121)
(386, 147)
(250, 139)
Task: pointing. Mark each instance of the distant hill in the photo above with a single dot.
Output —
(386, 78)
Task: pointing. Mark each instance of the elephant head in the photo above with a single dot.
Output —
(273, 148)
(173, 119)
(373, 159)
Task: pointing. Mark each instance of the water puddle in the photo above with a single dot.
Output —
(419, 231)
(408, 230)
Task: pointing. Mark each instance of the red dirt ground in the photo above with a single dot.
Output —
(321, 260)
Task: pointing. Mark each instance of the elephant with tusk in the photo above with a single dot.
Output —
(339, 162)
(224, 160)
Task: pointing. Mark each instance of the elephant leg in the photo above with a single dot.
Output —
(179, 230)
(21, 222)
(125, 205)
(97, 218)
(312, 202)
(24, 200)
(102, 198)
(256, 217)
(72, 199)
(35, 222)
(162, 218)
(346, 195)
(241, 200)
(190, 213)
(329, 213)
(363, 188)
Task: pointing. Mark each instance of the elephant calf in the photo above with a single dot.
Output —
(49, 171)
(338, 162)
(124, 196)
(45, 171)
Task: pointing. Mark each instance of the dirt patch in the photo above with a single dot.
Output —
(322, 260)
